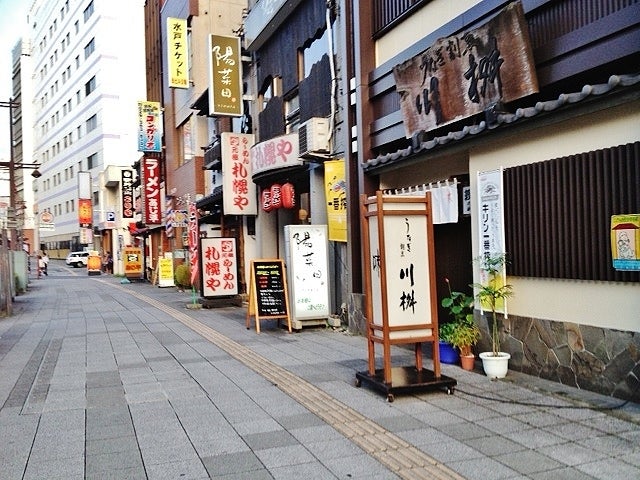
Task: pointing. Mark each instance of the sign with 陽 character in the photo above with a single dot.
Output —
(225, 71)
(218, 258)
(463, 75)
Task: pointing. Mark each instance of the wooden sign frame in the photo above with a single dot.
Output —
(263, 288)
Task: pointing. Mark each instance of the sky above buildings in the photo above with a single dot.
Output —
(13, 15)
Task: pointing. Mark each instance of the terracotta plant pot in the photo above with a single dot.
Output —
(468, 362)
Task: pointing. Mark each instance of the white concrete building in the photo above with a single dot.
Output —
(88, 74)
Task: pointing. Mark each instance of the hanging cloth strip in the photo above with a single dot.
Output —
(444, 199)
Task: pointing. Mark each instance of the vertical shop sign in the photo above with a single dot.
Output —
(85, 204)
(177, 53)
(239, 197)
(127, 193)
(625, 242)
(151, 179)
(225, 70)
(149, 127)
(336, 194)
(193, 237)
(219, 267)
(308, 270)
(491, 213)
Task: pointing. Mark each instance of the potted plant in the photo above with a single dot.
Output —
(462, 332)
(448, 353)
(490, 293)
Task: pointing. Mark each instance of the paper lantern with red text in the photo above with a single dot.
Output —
(266, 200)
(288, 192)
(276, 195)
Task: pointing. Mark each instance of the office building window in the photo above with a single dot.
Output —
(89, 48)
(92, 123)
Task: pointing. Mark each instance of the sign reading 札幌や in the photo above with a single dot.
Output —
(218, 258)
(239, 190)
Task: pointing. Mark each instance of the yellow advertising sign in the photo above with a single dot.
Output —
(336, 192)
(165, 272)
(177, 53)
(132, 260)
(225, 76)
(625, 242)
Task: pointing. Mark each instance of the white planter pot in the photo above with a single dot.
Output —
(495, 367)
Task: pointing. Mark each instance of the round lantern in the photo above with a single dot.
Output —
(276, 195)
(267, 206)
(288, 195)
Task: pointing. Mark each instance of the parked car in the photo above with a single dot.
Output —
(77, 259)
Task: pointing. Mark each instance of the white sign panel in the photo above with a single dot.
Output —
(308, 270)
(490, 213)
(407, 288)
(278, 152)
(219, 267)
(239, 196)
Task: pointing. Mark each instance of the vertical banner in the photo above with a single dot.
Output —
(193, 236)
(491, 213)
(225, 76)
(239, 191)
(85, 204)
(177, 53)
(219, 267)
(336, 194)
(151, 183)
(127, 193)
(149, 127)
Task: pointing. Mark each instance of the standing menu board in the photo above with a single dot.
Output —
(268, 296)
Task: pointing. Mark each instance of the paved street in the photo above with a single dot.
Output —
(104, 380)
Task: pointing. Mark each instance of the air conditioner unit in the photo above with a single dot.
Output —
(313, 137)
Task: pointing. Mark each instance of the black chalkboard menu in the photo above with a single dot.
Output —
(268, 297)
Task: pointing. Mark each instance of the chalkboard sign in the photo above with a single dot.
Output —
(268, 296)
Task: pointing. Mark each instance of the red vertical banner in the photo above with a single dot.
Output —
(151, 178)
(219, 267)
(193, 236)
(85, 212)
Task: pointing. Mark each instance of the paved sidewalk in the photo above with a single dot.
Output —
(102, 380)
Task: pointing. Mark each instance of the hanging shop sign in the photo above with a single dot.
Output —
(278, 152)
(625, 242)
(177, 53)
(218, 257)
(151, 182)
(149, 127)
(463, 75)
(239, 190)
(225, 76)
(276, 196)
(127, 193)
(336, 193)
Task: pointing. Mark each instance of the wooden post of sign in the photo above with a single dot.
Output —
(268, 295)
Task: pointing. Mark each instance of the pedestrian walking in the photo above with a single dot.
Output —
(45, 260)
(41, 266)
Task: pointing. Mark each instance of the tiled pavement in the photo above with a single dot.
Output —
(101, 380)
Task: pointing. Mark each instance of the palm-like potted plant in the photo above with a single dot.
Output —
(490, 293)
(462, 332)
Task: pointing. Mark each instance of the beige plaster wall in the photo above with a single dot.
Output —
(429, 18)
(602, 304)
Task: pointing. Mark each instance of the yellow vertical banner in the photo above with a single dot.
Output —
(177, 53)
(336, 194)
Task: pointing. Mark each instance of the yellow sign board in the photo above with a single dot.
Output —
(165, 272)
(132, 260)
(178, 54)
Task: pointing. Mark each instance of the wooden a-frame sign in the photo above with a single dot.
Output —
(268, 295)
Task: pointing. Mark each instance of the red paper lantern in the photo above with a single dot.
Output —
(288, 195)
(267, 206)
(276, 195)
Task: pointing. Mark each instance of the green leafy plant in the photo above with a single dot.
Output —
(492, 291)
(182, 276)
(461, 332)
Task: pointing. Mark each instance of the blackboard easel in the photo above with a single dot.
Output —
(268, 296)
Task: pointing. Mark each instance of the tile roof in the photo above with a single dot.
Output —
(505, 118)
